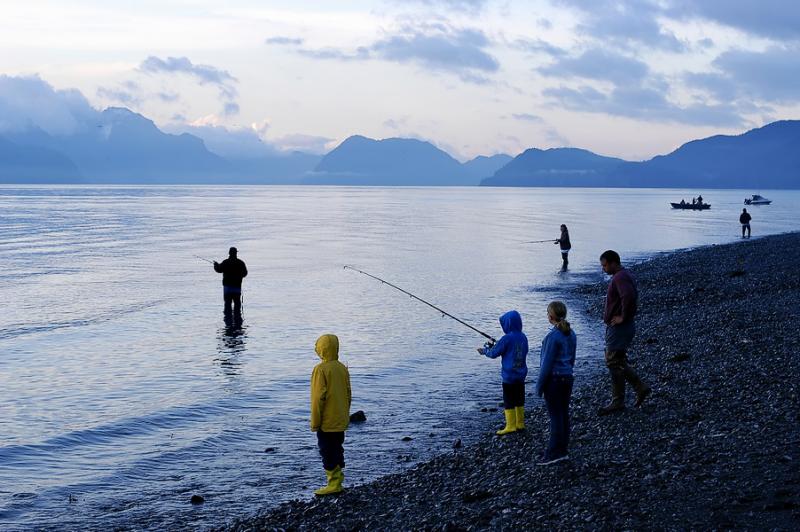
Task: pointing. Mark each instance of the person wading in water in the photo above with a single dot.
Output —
(565, 245)
(233, 270)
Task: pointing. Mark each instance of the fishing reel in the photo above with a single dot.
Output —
(488, 345)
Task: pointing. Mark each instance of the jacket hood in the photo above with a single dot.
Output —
(327, 347)
(511, 321)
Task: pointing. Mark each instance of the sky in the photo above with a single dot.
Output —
(629, 79)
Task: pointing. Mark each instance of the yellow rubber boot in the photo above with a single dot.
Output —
(511, 422)
(520, 412)
(335, 479)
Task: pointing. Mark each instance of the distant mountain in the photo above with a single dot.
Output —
(364, 161)
(482, 166)
(561, 167)
(766, 157)
(34, 164)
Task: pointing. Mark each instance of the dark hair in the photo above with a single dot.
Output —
(611, 257)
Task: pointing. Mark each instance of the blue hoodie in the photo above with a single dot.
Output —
(557, 356)
(513, 347)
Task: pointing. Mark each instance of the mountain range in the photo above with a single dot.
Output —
(119, 146)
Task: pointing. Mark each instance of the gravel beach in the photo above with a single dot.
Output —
(716, 446)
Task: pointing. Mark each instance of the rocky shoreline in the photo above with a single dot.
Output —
(717, 446)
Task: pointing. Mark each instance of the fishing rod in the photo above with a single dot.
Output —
(492, 340)
(207, 260)
(540, 241)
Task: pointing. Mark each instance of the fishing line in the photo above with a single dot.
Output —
(462, 322)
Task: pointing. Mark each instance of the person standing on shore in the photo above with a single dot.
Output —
(330, 410)
(565, 245)
(233, 270)
(556, 363)
(618, 315)
(513, 348)
(744, 219)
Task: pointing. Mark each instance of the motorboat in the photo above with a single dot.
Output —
(757, 200)
(691, 206)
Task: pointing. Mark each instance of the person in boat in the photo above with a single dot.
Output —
(556, 362)
(744, 219)
(565, 245)
(620, 310)
(694, 201)
(699, 200)
(513, 350)
(233, 270)
(683, 201)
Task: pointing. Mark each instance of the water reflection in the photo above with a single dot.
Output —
(231, 344)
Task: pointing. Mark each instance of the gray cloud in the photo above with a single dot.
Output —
(168, 97)
(291, 41)
(625, 24)
(203, 74)
(456, 5)
(538, 46)
(437, 47)
(600, 65)
(301, 142)
(776, 19)
(644, 103)
(527, 117)
(27, 102)
(119, 95)
(238, 143)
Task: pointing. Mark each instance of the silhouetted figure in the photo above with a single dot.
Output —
(700, 200)
(565, 245)
(621, 305)
(744, 219)
(233, 270)
(694, 201)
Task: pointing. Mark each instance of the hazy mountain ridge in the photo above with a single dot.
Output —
(765, 157)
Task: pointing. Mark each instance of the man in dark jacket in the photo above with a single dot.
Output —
(620, 310)
(744, 219)
(233, 270)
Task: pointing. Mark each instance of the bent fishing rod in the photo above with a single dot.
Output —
(422, 301)
(205, 259)
(541, 241)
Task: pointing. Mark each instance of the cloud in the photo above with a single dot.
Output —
(771, 75)
(454, 5)
(538, 46)
(775, 19)
(527, 117)
(122, 96)
(599, 64)
(305, 143)
(168, 97)
(644, 103)
(203, 74)
(27, 102)
(625, 24)
(291, 41)
(438, 47)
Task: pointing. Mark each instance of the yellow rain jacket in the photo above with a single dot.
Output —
(330, 388)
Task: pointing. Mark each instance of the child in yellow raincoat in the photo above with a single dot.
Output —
(330, 410)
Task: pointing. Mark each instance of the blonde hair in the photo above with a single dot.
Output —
(558, 310)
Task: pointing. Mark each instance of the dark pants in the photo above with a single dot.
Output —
(557, 393)
(621, 372)
(746, 227)
(232, 297)
(331, 449)
(564, 259)
(513, 395)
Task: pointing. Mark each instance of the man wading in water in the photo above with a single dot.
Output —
(564, 242)
(620, 310)
(233, 270)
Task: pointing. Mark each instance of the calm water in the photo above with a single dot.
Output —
(122, 392)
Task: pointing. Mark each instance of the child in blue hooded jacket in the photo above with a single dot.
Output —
(513, 348)
(555, 380)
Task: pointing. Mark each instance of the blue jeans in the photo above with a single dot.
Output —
(557, 393)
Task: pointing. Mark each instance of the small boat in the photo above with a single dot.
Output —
(691, 206)
(757, 200)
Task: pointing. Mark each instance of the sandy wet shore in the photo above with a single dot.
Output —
(716, 445)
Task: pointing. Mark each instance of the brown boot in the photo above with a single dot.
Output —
(641, 395)
(617, 393)
(642, 390)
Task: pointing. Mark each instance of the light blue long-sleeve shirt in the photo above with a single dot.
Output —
(557, 356)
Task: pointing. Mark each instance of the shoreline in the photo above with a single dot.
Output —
(714, 446)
